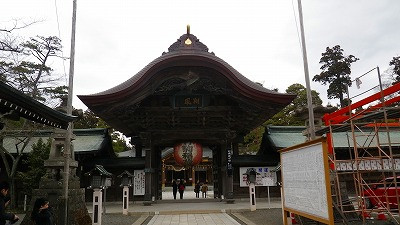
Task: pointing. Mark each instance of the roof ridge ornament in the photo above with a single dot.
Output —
(188, 42)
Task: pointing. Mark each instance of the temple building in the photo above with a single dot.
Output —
(191, 101)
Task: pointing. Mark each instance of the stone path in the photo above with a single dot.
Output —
(194, 219)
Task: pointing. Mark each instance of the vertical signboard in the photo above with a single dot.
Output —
(138, 182)
(229, 167)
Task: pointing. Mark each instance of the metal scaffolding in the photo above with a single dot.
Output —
(371, 159)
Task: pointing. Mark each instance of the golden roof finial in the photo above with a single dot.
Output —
(188, 29)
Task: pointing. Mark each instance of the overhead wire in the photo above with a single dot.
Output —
(59, 36)
(297, 27)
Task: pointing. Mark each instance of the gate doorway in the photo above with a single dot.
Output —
(202, 173)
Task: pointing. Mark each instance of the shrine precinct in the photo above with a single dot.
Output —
(186, 113)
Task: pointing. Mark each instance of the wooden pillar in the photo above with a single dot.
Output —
(158, 175)
(148, 176)
(137, 142)
(155, 168)
(223, 169)
(235, 149)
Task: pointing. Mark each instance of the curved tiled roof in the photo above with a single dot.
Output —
(24, 106)
(170, 55)
(194, 53)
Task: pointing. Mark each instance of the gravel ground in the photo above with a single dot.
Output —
(264, 216)
(258, 217)
(119, 219)
(274, 217)
(108, 219)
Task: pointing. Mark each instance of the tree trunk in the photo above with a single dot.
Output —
(13, 203)
(11, 172)
(341, 100)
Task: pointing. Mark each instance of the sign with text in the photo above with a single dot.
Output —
(229, 167)
(188, 101)
(305, 179)
(264, 176)
(139, 182)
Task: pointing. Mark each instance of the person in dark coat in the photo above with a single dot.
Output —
(181, 189)
(174, 188)
(4, 187)
(197, 189)
(41, 214)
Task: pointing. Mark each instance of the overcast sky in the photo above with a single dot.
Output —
(116, 39)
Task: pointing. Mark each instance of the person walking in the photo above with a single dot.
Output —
(174, 188)
(41, 214)
(197, 189)
(204, 190)
(181, 188)
(4, 187)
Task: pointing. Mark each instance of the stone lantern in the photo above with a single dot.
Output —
(98, 177)
(251, 175)
(126, 182)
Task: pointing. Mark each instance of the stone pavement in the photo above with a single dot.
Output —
(191, 210)
(196, 206)
(195, 219)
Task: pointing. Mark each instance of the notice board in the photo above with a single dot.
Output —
(265, 176)
(305, 180)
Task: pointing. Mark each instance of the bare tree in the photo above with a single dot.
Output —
(26, 68)
(8, 42)
(11, 161)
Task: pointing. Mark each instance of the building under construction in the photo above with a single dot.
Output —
(364, 156)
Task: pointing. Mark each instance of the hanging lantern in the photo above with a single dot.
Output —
(188, 154)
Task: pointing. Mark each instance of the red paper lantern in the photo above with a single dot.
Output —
(188, 153)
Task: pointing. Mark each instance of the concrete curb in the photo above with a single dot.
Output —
(243, 219)
(141, 220)
(175, 212)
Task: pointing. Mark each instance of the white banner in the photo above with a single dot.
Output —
(138, 182)
(264, 176)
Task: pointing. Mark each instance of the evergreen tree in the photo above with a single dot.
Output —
(335, 72)
(396, 69)
(90, 120)
(286, 117)
(35, 161)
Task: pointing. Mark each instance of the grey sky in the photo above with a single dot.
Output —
(115, 39)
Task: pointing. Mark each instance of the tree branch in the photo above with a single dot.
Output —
(16, 27)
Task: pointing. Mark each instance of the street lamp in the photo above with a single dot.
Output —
(251, 176)
(126, 182)
(98, 176)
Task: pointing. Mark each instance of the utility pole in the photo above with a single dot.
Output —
(67, 147)
(311, 128)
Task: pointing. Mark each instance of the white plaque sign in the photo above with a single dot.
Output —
(264, 176)
(304, 181)
(138, 182)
